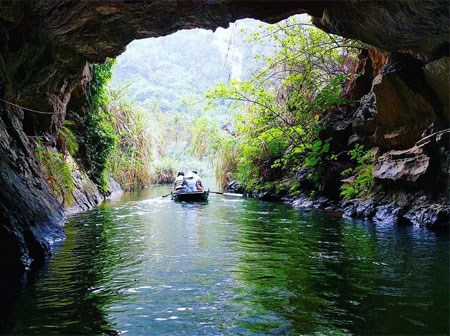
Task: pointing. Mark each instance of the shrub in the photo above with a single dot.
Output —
(164, 170)
(359, 181)
(57, 172)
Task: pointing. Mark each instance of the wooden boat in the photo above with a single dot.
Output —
(191, 196)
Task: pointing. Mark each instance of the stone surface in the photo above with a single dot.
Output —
(86, 195)
(30, 217)
(114, 189)
(399, 107)
(402, 166)
(370, 63)
(433, 215)
(400, 208)
(437, 75)
(415, 26)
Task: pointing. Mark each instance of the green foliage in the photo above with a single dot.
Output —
(57, 172)
(130, 159)
(95, 133)
(359, 181)
(171, 135)
(295, 188)
(215, 142)
(99, 141)
(315, 158)
(67, 139)
(279, 111)
(164, 170)
(170, 73)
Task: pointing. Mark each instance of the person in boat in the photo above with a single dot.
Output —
(178, 184)
(199, 181)
(190, 182)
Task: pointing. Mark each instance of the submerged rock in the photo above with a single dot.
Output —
(430, 215)
(387, 214)
(416, 209)
(303, 202)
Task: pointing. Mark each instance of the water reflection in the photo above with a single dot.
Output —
(71, 293)
(150, 266)
(305, 273)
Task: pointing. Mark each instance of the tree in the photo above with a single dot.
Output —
(278, 112)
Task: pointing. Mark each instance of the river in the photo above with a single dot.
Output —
(145, 265)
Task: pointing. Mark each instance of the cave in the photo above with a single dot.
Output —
(46, 47)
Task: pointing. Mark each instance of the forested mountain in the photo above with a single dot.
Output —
(162, 71)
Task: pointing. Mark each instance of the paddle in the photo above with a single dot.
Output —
(226, 194)
(233, 194)
(166, 195)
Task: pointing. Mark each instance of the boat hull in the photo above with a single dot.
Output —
(193, 196)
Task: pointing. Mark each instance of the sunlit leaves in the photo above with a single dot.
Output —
(279, 110)
(94, 131)
(129, 162)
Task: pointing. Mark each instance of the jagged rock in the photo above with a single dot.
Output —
(437, 77)
(303, 201)
(233, 187)
(409, 26)
(424, 165)
(370, 63)
(338, 126)
(378, 59)
(366, 209)
(306, 202)
(30, 217)
(303, 177)
(399, 107)
(266, 195)
(114, 189)
(401, 166)
(86, 195)
(418, 211)
(398, 103)
(435, 216)
(349, 210)
(440, 138)
(391, 214)
(364, 119)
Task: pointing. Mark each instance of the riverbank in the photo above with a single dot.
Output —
(418, 209)
(415, 209)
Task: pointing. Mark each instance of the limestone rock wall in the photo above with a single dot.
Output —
(400, 105)
(30, 217)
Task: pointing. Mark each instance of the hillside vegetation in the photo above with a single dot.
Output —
(167, 78)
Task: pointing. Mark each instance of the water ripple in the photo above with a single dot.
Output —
(150, 266)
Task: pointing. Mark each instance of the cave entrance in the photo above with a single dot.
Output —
(207, 101)
(164, 80)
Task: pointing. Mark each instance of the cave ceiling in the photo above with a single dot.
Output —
(45, 44)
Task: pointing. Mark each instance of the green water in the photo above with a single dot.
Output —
(146, 265)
